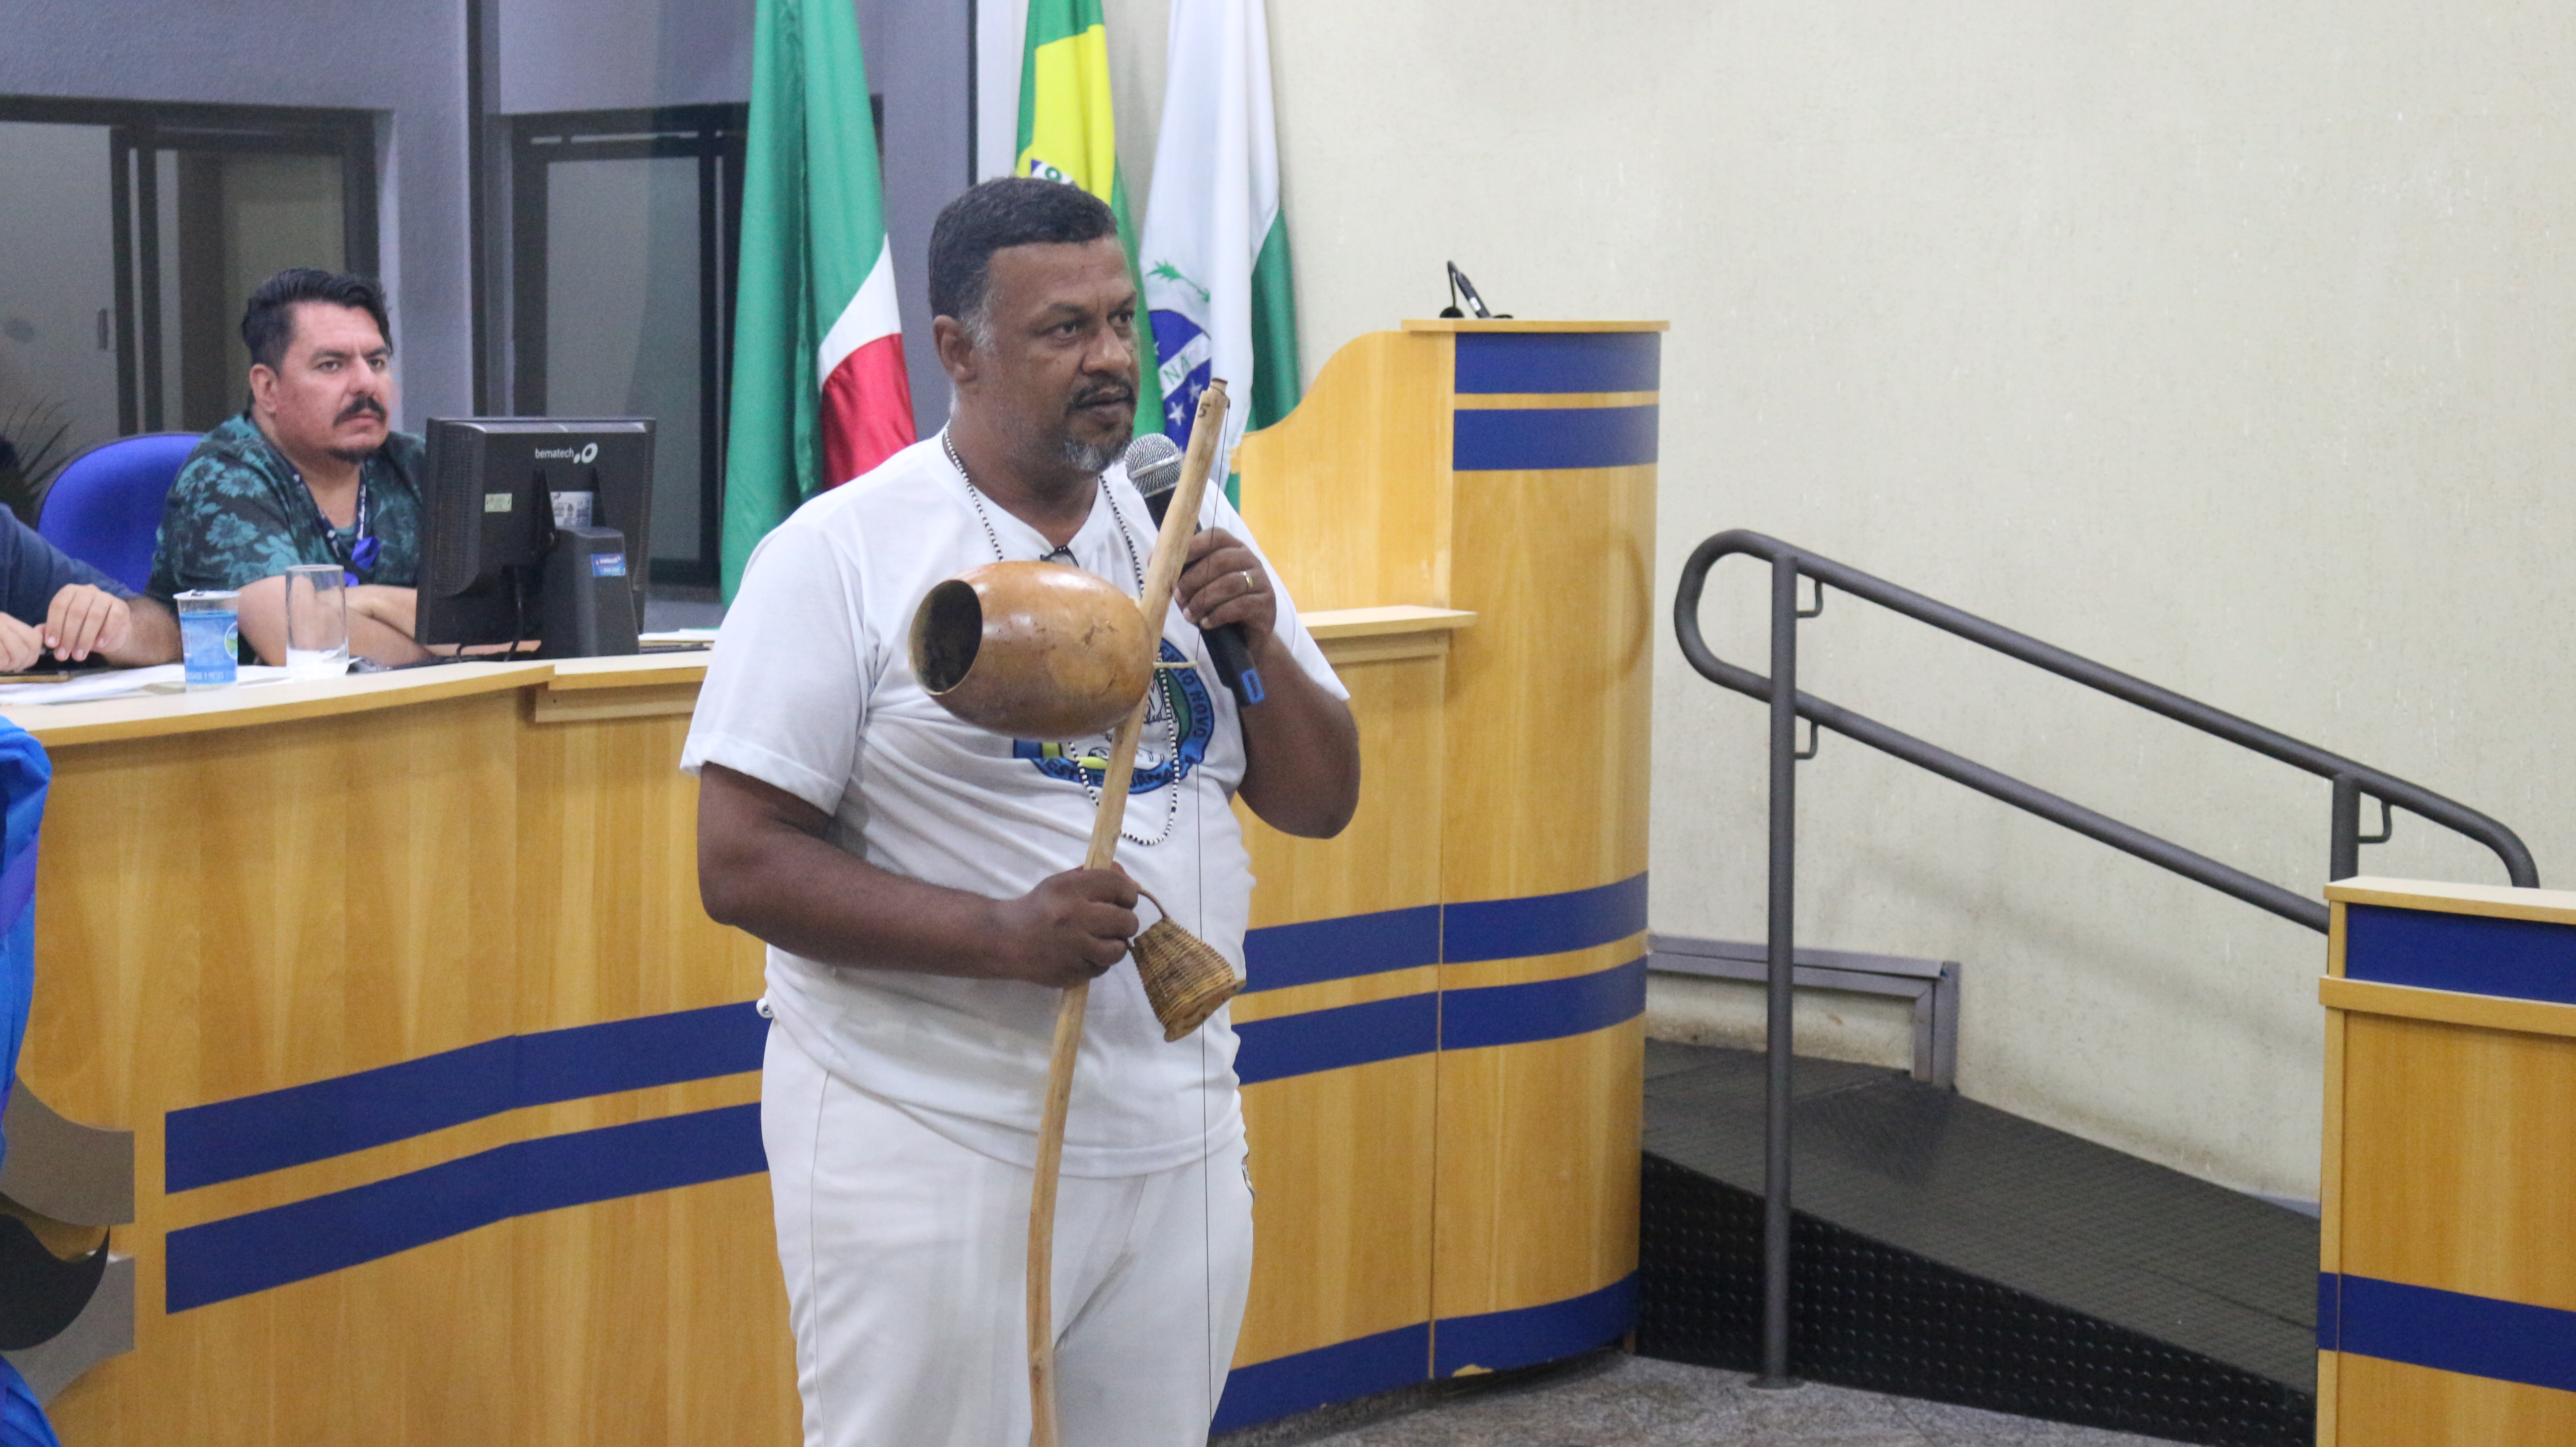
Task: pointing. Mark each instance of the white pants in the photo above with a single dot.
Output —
(905, 1255)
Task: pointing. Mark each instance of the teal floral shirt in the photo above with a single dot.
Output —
(239, 512)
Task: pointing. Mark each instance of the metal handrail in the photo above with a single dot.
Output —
(2353, 779)
(2350, 780)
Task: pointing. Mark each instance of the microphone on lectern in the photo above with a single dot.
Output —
(1154, 466)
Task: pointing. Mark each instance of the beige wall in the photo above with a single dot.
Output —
(2231, 348)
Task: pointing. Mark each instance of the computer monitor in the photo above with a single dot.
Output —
(512, 504)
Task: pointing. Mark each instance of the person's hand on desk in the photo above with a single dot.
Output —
(381, 620)
(83, 620)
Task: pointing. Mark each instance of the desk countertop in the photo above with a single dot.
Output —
(565, 686)
(108, 720)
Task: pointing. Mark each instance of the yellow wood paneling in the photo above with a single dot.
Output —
(2455, 1159)
(1389, 857)
(1538, 1170)
(1342, 1205)
(2390, 1404)
(2329, 1369)
(2489, 1012)
(1482, 974)
(1342, 1160)
(1333, 994)
(1519, 401)
(1340, 623)
(1550, 709)
(287, 890)
(2330, 1167)
(1349, 493)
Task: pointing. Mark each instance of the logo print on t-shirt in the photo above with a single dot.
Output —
(1182, 695)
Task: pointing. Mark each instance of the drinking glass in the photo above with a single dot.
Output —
(317, 621)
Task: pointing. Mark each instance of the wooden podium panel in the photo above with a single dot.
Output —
(1507, 470)
(442, 1085)
(2447, 1293)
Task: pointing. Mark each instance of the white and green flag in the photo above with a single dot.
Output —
(1215, 245)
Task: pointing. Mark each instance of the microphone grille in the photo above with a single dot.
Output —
(1154, 464)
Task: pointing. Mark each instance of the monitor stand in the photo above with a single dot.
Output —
(589, 599)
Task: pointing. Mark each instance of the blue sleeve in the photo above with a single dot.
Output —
(32, 571)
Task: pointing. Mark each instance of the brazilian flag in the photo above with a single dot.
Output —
(1067, 134)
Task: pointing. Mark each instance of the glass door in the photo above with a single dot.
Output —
(624, 226)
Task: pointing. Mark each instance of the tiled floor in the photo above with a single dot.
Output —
(1621, 1401)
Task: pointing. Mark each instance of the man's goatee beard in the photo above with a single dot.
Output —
(1091, 456)
(353, 454)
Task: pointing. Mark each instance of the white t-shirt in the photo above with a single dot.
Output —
(811, 689)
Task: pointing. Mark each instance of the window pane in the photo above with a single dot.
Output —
(57, 280)
(622, 316)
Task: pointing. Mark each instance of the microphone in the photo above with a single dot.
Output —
(1154, 466)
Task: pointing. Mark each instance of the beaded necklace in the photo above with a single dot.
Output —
(1136, 566)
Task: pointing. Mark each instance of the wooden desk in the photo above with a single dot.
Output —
(2446, 1310)
(404, 893)
(482, 1158)
(443, 1087)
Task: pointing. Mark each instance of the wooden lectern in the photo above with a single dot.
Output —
(2446, 1303)
(1443, 1034)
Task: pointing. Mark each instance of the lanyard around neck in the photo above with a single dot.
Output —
(364, 549)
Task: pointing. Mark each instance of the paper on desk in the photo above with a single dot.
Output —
(671, 636)
(122, 683)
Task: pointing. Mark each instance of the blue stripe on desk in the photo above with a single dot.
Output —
(1401, 939)
(1547, 439)
(1303, 1381)
(1542, 1009)
(231, 1139)
(1546, 924)
(1559, 361)
(1501, 1340)
(1337, 949)
(264, 1249)
(2475, 954)
(1349, 1035)
(1337, 1039)
(2477, 1336)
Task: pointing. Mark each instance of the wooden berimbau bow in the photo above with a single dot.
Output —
(1171, 549)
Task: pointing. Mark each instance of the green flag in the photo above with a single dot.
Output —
(819, 390)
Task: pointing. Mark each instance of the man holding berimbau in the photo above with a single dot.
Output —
(915, 878)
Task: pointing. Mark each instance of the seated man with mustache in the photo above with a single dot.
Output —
(310, 472)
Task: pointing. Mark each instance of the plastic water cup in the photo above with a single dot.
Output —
(317, 621)
(209, 634)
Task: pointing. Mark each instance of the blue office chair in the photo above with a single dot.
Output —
(105, 506)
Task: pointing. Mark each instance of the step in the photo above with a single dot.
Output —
(1949, 1250)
